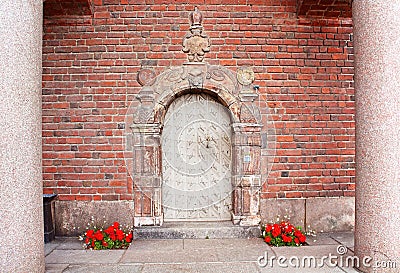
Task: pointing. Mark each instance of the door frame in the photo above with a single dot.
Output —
(144, 137)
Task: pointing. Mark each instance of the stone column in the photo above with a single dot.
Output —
(377, 83)
(21, 205)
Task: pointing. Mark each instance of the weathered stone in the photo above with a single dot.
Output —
(84, 257)
(197, 230)
(330, 214)
(273, 209)
(196, 43)
(72, 218)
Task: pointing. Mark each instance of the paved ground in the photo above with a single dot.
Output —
(197, 255)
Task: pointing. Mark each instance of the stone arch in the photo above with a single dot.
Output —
(234, 92)
(158, 93)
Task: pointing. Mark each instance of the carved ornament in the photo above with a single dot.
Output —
(196, 43)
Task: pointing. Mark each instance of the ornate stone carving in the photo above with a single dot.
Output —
(143, 115)
(151, 110)
(196, 43)
(245, 76)
(216, 74)
(195, 78)
(146, 77)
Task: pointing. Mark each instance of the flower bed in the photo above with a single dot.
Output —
(112, 237)
(283, 234)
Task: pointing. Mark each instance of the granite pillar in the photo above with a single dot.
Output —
(377, 84)
(21, 205)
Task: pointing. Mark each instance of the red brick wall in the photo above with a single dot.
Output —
(304, 67)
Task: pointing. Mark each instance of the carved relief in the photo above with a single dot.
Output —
(196, 43)
(245, 76)
(143, 115)
(146, 77)
(195, 78)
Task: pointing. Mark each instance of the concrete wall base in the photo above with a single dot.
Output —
(72, 217)
(318, 214)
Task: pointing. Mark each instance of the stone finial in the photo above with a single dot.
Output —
(195, 18)
(195, 42)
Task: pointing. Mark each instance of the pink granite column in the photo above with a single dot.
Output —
(377, 83)
(21, 209)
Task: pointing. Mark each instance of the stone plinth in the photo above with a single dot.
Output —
(21, 206)
(377, 82)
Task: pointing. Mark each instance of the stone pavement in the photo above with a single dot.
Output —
(195, 255)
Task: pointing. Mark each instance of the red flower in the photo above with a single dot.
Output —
(289, 228)
(104, 243)
(128, 238)
(120, 234)
(276, 230)
(113, 237)
(298, 233)
(286, 239)
(267, 239)
(89, 233)
(109, 230)
(116, 225)
(268, 228)
(302, 239)
(87, 240)
(98, 235)
(296, 240)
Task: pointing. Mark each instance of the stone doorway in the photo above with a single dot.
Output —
(196, 160)
(223, 91)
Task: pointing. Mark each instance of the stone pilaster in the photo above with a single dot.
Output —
(21, 205)
(147, 174)
(246, 174)
(377, 83)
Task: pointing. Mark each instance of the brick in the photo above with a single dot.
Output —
(304, 67)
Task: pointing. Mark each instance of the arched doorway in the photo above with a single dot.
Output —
(196, 160)
(165, 97)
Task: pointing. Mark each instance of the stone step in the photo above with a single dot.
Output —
(196, 230)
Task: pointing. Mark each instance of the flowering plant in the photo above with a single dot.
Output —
(283, 234)
(109, 238)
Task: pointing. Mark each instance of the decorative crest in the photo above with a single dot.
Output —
(195, 42)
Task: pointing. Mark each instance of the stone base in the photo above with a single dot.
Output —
(246, 221)
(197, 230)
(148, 221)
(72, 217)
(318, 214)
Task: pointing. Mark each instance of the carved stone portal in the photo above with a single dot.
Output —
(196, 127)
(149, 135)
(196, 43)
